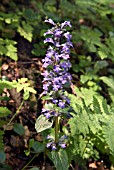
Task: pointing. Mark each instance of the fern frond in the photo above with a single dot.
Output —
(96, 106)
(108, 133)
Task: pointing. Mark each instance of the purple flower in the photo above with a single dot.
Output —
(58, 32)
(68, 36)
(50, 40)
(61, 104)
(49, 144)
(55, 101)
(64, 56)
(66, 65)
(66, 23)
(57, 87)
(48, 32)
(46, 86)
(50, 21)
(62, 145)
(56, 68)
(54, 147)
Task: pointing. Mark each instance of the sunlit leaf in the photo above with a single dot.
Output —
(42, 124)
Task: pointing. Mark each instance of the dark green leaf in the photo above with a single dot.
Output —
(2, 156)
(19, 129)
(38, 147)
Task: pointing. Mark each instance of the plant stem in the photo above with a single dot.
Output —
(57, 4)
(56, 129)
(15, 114)
(30, 161)
(0, 67)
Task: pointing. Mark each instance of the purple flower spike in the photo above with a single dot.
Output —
(56, 79)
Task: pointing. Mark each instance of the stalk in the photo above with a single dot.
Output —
(56, 129)
(57, 4)
(0, 67)
(14, 115)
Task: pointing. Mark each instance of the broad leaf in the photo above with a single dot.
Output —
(60, 159)
(38, 147)
(108, 81)
(42, 123)
(19, 129)
(4, 111)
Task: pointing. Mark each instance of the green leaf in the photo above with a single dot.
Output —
(108, 81)
(46, 98)
(12, 52)
(2, 122)
(102, 54)
(27, 152)
(26, 95)
(19, 88)
(4, 111)
(42, 123)
(108, 133)
(5, 84)
(22, 80)
(31, 142)
(38, 147)
(26, 31)
(19, 129)
(100, 65)
(60, 159)
(2, 156)
(30, 89)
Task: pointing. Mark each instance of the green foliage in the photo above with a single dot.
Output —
(60, 159)
(89, 126)
(35, 146)
(4, 112)
(21, 84)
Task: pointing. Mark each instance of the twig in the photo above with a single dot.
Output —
(15, 114)
(30, 161)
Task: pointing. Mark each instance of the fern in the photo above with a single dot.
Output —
(94, 121)
(108, 133)
(96, 106)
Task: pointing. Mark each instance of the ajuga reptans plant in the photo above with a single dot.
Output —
(56, 79)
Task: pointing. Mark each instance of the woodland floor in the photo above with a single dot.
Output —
(29, 67)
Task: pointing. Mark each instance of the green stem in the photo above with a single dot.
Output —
(30, 161)
(56, 129)
(15, 114)
(0, 66)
